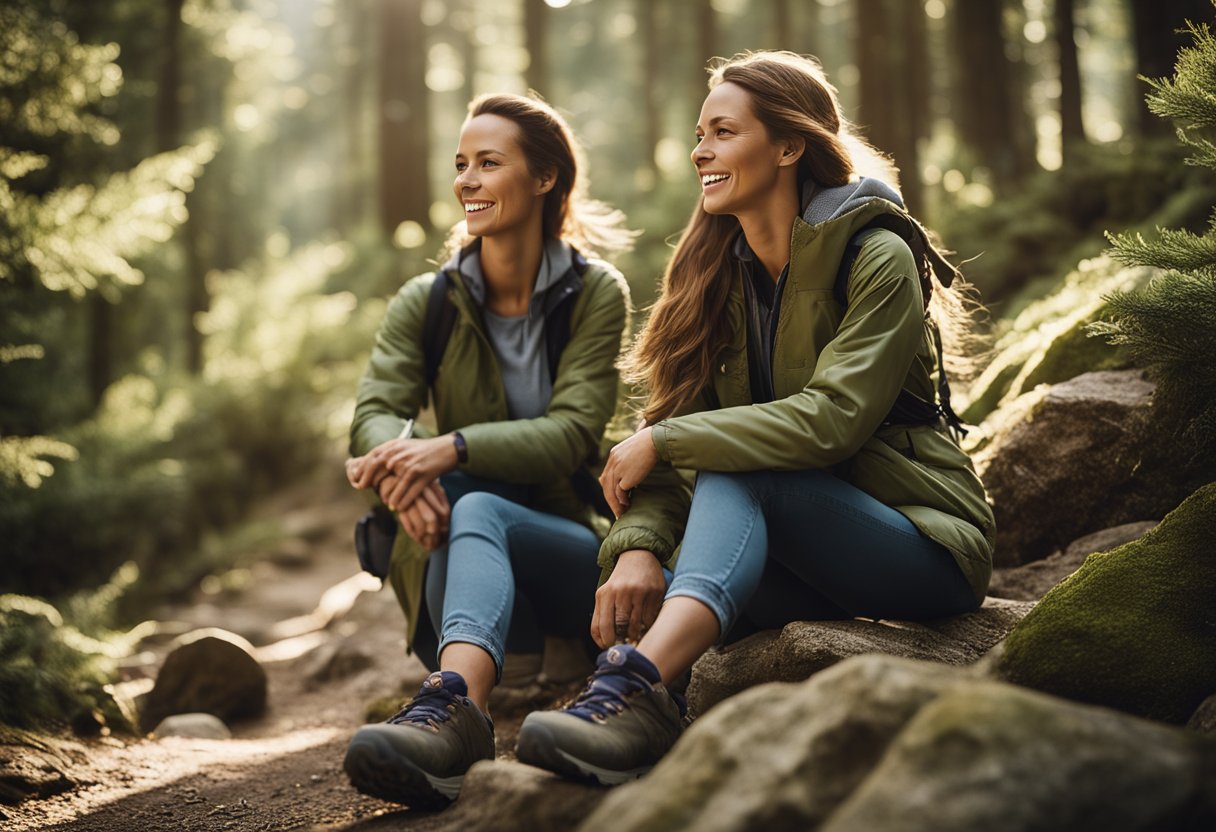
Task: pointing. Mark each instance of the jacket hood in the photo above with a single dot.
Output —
(556, 260)
(820, 205)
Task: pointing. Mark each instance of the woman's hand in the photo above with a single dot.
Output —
(369, 470)
(414, 463)
(628, 602)
(628, 464)
(427, 518)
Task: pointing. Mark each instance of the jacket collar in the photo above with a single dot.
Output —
(556, 262)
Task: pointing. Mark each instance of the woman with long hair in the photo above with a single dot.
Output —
(793, 363)
(515, 341)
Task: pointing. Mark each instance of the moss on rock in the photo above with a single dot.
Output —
(1048, 343)
(1134, 628)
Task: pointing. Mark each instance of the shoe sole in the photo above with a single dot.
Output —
(375, 768)
(536, 746)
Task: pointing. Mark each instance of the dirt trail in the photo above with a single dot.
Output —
(284, 770)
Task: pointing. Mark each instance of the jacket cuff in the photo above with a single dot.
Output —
(633, 537)
(658, 438)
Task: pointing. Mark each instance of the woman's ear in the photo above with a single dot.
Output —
(792, 150)
(546, 182)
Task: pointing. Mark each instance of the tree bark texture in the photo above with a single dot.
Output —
(1072, 129)
(404, 112)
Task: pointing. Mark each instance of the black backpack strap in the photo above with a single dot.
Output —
(557, 319)
(437, 326)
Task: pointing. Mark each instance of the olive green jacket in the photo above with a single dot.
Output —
(836, 374)
(468, 396)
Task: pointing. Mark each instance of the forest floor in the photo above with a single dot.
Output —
(284, 770)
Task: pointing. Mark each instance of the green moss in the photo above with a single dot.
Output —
(1134, 628)
(1047, 342)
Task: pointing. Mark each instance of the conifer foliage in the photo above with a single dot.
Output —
(1169, 326)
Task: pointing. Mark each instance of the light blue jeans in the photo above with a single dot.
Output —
(509, 573)
(763, 548)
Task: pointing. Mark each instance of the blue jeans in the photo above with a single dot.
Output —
(763, 548)
(509, 574)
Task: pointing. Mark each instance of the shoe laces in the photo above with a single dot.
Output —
(606, 694)
(432, 705)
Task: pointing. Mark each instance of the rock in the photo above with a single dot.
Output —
(333, 661)
(992, 756)
(503, 796)
(1204, 718)
(1133, 627)
(197, 726)
(803, 648)
(212, 671)
(1092, 439)
(1033, 580)
(779, 756)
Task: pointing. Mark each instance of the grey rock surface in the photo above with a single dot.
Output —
(1032, 581)
(996, 757)
(1204, 718)
(505, 796)
(779, 756)
(1063, 461)
(803, 648)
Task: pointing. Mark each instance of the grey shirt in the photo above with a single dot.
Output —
(519, 341)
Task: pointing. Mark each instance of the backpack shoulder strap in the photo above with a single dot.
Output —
(557, 322)
(437, 325)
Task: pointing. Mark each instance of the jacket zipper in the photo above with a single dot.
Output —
(772, 328)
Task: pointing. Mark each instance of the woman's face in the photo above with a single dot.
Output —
(736, 159)
(493, 183)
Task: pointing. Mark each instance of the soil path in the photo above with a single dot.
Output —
(331, 641)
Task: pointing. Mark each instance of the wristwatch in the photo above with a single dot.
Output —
(462, 450)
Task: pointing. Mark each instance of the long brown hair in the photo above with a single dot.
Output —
(548, 145)
(790, 95)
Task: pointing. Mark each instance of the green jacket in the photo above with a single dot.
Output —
(468, 396)
(835, 377)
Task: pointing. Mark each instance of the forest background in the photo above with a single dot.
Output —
(205, 204)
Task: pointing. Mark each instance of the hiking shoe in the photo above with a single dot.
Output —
(622, 723)
(420, 755)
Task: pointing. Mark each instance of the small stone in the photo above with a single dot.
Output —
(210, 670)
(196, 725)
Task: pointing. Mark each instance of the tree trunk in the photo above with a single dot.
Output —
(536, 19)
(1072, 129)
(404, 112)
(783, 33)
(986, 92)
(1157, 41)
(652, 122)
(705, 46)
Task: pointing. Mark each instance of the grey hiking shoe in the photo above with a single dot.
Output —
(420, 756)
(622, 723)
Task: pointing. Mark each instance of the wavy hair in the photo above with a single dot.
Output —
(673, 355)
(548, 145)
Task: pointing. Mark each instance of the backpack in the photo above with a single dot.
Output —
(437, 328)
(909, 409)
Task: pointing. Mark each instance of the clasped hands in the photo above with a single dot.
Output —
(405, 473)
(629, 601)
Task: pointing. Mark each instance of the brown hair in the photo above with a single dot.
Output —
(548, 145)
(790, 95)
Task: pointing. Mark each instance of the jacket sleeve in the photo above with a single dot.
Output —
(584, 397)
(657, 513)
(856, 380)
(393, 387)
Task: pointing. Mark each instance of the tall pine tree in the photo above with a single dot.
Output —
(1170, 326)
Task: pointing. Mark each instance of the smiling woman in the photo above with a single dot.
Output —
(500, 543)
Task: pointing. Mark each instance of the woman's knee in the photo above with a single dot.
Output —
(481, 509)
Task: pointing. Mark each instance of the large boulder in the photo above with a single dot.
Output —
(779, 756)
(1133, 628)
(210, 671)
(1067, 460)
(878, 742)
(803, 648)
(1032, 581)
(997, 757)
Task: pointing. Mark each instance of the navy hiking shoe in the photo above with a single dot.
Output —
(420, 755)
(622, 723)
